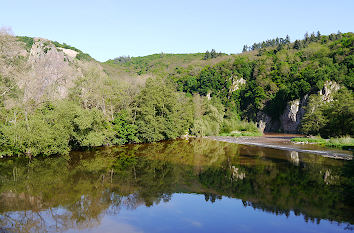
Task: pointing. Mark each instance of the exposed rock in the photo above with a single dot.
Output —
(70, 53)
(266, 124)
(263, 120)
(291, 118)
(51, 72)
(237, 83)
(328, 90)
(208, 96)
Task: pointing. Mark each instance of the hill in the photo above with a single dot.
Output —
(55, 98)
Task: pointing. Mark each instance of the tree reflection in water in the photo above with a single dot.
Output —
(77, 191)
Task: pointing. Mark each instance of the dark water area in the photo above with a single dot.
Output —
(198, 185)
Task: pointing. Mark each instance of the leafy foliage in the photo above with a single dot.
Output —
(185, 94)
(275, 76)
(55, 129)
(161, 112)
(332, 119)
(27, 40)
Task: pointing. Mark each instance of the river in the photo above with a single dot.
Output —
(195, 185)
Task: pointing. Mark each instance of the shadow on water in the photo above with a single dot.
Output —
(78, 191)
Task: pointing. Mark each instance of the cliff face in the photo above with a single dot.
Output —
(290, 119)
(36, 71)
(51, 72)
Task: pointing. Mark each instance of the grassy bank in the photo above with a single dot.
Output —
(346, 143)
(237, 128)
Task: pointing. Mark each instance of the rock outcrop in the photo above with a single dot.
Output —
(266, 123)
(51, 72)
(291, 118)
(237, 83)
(328, 90)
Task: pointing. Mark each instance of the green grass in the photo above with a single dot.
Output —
(309, 140)
(346, 142)
(236, 128)
(157, 64)
(343, 142)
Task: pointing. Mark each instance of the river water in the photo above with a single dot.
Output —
(198, 185)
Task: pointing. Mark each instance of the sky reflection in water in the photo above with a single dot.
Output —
(177, 186)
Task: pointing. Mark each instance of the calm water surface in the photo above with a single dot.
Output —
(178, 186)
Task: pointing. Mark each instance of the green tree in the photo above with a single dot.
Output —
(314, 119)
(124, 128)
(161, 112)
(213, 54)
(206, 55)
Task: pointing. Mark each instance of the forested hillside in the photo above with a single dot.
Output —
(259, 84)
(55, 98)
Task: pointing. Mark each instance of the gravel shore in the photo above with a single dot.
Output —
(282, 142)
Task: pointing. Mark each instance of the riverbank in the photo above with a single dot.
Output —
(344, 143)
(283, 142)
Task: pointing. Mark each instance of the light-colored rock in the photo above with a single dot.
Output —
(237, 83)
(263, 121)
(69, 52)
(291, 118)
(208, 96)
(328, 90)
(51, 72)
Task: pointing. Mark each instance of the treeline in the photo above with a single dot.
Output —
(156, 113)
(211, 100)
(268, 43)
(122, 59)
(250, 84)
(298, 44)
(212, 54)
(100, 111)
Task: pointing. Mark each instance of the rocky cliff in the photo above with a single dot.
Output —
(52, 71)
(290, 120)
(36, 71)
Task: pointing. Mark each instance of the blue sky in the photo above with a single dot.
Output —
(106, 29)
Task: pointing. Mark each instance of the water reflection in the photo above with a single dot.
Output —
(82, 191)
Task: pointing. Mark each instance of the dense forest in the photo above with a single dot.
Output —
(54, 98)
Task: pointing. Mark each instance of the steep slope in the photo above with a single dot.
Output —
(34, 70)
(277, 81)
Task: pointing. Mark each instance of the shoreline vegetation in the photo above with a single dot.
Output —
(344, 143)
(87, 104)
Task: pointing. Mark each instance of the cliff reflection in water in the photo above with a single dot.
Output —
(77, 191)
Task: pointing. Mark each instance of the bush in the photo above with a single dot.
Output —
(161, 112)
(331, 119)
(345, 141)
(208, 116)
(27, 40)
(236, 125)
(55, 129)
